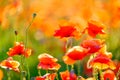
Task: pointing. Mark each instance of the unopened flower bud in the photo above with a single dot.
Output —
(16, 33)
(34, 15)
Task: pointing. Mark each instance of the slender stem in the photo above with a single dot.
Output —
(22, 68)
(94, 73)
(67, 67)
(101, 75)
(46, 71)
(79, 66)
(39, 72)
(22, 63)
(69, 43)
(72, 67)
(47, 78)
(57, 76)
(8, 74)
(28, 71)
(34, 15)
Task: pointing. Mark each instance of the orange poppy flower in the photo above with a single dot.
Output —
(68, 60)
(103, 51)
(47, 62)
(10, 64)
(27, 52)
(102, 62)
(95, 28)
(66, 75)
(92, 45)
(19, 49)
(66, 31)
(109, 75)
(46, 77)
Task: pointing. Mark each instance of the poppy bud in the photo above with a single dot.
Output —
(16, 32)
(34, 15)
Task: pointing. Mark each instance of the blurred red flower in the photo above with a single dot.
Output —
(9, 63)
(102, 62)
(74, 53)
(109, 75)
(66, 75)
(19, 49)
(66, 31)
(46, 77)
(92, 45)
(47, 62)
(95, 28)
(77, 53)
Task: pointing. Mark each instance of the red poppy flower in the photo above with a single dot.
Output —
(95, 28)
(10, 64)
(109, 75)
(102, 62)
(46, 77)
(66, 75)
(48, 62)
(19, 49)
(73, 54)
(92, 45)
(77, 53)
(66, 31)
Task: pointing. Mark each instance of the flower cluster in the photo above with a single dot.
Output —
(100, 60)
(10, 64)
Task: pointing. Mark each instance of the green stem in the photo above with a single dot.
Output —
(34, 15)
(8, 74)
(69, 43)
(57, 76)
(47, 71)
(28, 71)
(22, 63)
(22, 68)
(101, 75)
(94, 73)
(67, 67)
(79, 66)
(47, 78)
(72, 67)
(39, 72)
